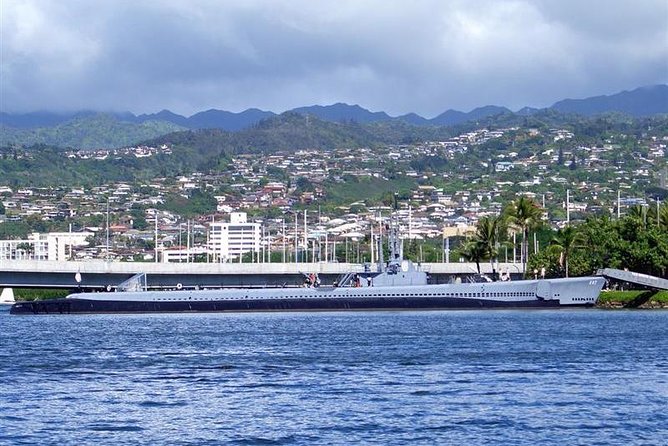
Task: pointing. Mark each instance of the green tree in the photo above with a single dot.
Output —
(660, 220)
(138, 218)
(304, 185)
(565, 242)
(663, 218)
(574, 163)
(488, 236)
(548, 261)
(524, 214)
(27, 248)
(11, 230)
(638, 213)
(625, 243)
(473, 251)
(604, 245)
(198, 203)
(139, 222)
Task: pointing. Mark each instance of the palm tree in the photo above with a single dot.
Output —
(565, 242)
(663, 217)
(27, 249)
(488, 235)
(473, 251)
(639, 213)
(660, 220)
(524, 214)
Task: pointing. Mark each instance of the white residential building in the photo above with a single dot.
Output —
(183, 255)
(50, 246)
(229, 241)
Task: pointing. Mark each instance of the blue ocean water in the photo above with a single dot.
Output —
(449, 377)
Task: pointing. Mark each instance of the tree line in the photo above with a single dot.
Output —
(638, 241)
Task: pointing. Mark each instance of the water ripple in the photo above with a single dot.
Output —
(498, 377)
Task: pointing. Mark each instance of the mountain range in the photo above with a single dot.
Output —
(91, 129)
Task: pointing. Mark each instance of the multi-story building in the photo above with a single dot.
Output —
(184, 255)
(229, 241)
(50, 246)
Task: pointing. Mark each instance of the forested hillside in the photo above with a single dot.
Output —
(91, 132)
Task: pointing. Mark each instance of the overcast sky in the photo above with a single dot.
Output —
(422, 56)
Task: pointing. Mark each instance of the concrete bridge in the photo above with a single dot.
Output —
(97, 275)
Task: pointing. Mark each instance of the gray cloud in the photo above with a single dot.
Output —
(423, 56)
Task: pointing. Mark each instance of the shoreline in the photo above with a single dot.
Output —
(613, 300)
(617, 305)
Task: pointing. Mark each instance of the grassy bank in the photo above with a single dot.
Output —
(621, 298)
(32, 294)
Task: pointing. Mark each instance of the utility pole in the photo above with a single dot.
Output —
(283, 236)
(296, 238)
(155, 254)
(313, 252)
(346, 249)
(208, 243)
(106, 254)
(381, 259)
(269, 245)
(305, 237)
(262, 247)
(371, 244)
(188, 242)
